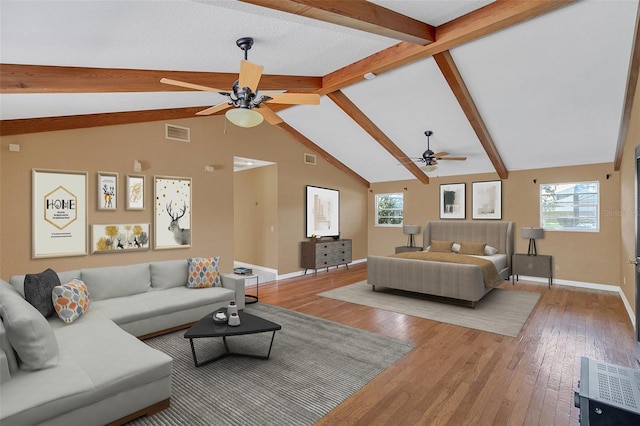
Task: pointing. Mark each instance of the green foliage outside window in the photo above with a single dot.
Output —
(389, 209)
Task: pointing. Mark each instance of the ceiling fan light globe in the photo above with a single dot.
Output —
(244, 117)
(429, 168)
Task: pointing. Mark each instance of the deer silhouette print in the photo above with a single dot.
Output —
(181, 235)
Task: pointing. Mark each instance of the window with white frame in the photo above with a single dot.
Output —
(389, 209)
(570, 206)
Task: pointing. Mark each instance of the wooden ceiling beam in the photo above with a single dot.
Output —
(302, 139)
(357, 14)
(630, 91)
(459, 88)
(374, 131)
(50, 124)
(489, 19)
(16, 78)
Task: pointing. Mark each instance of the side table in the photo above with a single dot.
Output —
(250, 298)
(535, 266)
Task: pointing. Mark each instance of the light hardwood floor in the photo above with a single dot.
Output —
(460, 376)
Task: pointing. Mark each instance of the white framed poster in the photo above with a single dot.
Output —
(135, 192)
(59, 213)
(107, 190)
(487, 200)
(452, 201)
(172, 212)
(115, 238)
(323, 212)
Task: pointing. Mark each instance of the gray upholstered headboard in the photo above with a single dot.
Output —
(497, 234)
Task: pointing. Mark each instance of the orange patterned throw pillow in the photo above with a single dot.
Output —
(204, 272)
(70, 300)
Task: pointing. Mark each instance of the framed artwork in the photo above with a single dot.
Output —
(172, 212)
(487, 200)
(107, 190)
(135, 192)
(112, 238)
(452, 201)
(59, 213)
(322, 212)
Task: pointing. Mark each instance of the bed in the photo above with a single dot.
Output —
(463, 280)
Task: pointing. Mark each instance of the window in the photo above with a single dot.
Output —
(570, 206)
(389, 209)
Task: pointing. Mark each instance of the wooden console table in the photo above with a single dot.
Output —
(324, 254)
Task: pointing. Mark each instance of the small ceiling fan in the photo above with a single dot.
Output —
(430, 158)
(248, 105)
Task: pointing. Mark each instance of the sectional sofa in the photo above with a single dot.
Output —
(96, 370)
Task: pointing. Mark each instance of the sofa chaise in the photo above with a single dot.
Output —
(96, 370)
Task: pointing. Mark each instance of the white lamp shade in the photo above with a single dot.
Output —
(532, 233)
(410, 229)
(244, 117)
(430, 168)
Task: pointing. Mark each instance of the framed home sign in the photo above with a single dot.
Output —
(107, 190)
(59, 213)
(172, 212)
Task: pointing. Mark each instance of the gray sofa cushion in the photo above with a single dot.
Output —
(7, 349)
(169, 273)
(38, 288)
(28, 331)
(116, 281)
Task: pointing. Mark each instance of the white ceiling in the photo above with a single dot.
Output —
(550, 90)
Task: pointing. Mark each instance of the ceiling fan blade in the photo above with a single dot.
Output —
(216, 108)
(269, 115)
(294, 98)
(440, 154)
(189, 85)
(250, 74)
(453, 158)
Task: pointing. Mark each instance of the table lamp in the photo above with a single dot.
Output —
(410, 230)
(532, 234)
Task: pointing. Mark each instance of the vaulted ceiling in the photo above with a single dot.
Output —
(510, 85)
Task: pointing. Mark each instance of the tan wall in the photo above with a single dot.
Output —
(213, 142)
(577, 256)
(628, 210)
(256, 216)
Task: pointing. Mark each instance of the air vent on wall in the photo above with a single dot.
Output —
(310, 159)
(177, 133)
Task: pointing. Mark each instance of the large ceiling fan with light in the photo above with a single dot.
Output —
(246, 107)
(430, 159)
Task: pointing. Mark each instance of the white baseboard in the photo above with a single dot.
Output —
(301, 272)
(592, 286)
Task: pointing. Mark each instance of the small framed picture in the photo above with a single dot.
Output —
(107, 190)
(135, 192)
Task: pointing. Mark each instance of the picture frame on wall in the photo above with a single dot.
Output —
(322, 212)
(107, 191)
(487, 200)
(59, 213)
(134, 192)
(116, 238)
(453, 201)
(172, 212)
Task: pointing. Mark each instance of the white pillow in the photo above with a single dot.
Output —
(490, 251)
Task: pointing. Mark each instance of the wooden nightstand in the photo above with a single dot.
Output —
(403, 249)
(533, 266)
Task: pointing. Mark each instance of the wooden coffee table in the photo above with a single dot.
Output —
(249, 324)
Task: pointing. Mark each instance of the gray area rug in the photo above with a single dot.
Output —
(315, 364)
(501, 311)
